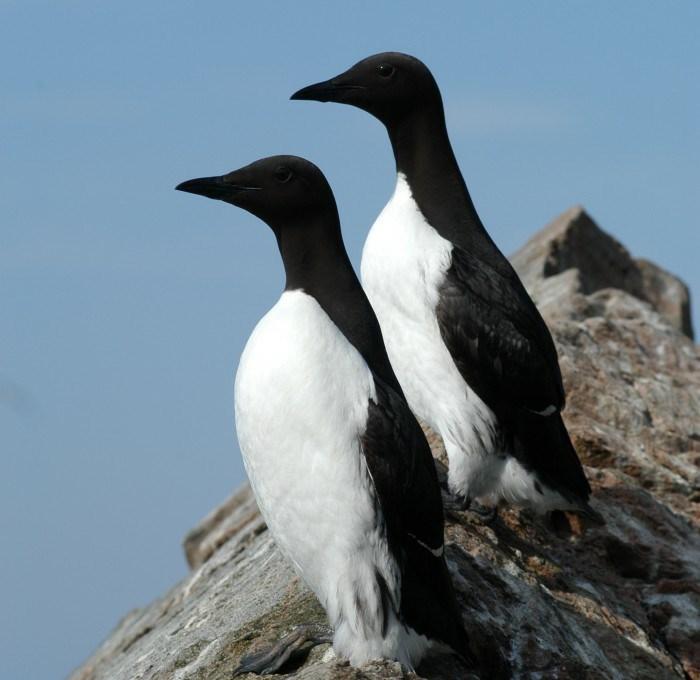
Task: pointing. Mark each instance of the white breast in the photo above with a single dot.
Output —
(302, 394)
(404, 263)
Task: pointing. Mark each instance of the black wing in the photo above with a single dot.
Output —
(505, 352)
(404, 476)
(497, 338)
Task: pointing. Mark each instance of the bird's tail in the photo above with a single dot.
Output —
(429, 603)
(542, 444)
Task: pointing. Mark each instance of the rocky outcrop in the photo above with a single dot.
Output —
(574, 243)
(541, 599)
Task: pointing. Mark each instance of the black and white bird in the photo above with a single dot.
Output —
(472, 353)
(339, 466)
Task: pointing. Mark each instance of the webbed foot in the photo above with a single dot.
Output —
(291, 647)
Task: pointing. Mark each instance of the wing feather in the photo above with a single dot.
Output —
(403, 472)
(497, 338)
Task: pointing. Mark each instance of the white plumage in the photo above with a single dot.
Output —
(404, 263)
(302, 393)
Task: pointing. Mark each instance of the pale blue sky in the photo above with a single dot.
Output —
(125, 305)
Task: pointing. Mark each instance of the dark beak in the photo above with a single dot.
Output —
(333, 90)
(214, 187)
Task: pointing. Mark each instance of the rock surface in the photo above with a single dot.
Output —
(556, 600)
(573, 242)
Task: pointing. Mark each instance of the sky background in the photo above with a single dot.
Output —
(125, 305)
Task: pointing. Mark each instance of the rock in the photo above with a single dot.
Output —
(542, 600)
(573, 242)
(667, 294)
(236, 517)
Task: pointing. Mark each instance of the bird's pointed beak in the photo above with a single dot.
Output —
(336, 89)
(211, 187)
(220, 188)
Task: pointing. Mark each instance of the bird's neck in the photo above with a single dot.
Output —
(315, 261)
(421, 144)
(424, 155)
(313, 253)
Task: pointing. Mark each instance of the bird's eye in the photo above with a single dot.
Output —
(385, 70)
(283, 174)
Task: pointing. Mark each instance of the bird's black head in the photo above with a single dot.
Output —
(390, 86)
(280, 190)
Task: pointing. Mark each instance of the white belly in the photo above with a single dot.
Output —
(403, 266)
(302, 394)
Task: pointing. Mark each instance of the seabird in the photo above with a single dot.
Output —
(339, 465)
(474, 357)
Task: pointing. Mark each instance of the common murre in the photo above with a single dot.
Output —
(339, 466)
(471, 351)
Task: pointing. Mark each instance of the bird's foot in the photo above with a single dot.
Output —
(461, 502)
(291, 647)
(484, 514)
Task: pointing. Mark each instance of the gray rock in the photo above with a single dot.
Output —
(542, 600)
(574, 242)
(667, 294)
(236, 517)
